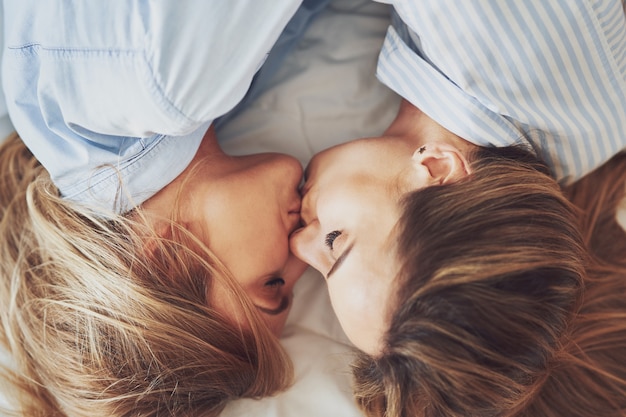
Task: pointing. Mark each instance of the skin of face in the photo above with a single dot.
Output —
(243, 208)
(351, 205)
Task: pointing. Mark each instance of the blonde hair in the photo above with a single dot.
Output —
(98, 327)
(504, 307)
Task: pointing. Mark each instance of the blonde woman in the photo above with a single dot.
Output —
(104, 316)
(475, 279)
(144, 271)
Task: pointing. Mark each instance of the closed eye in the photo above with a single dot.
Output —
(275, 282)
(284, 304)
(330, 238)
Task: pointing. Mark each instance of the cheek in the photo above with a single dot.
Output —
(359, 306)
(277, 323)
(264, 230)
(249, 242)
(255, 212)
(293, 270)
(264, 249)
(347, 300)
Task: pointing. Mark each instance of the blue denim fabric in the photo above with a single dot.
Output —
(114, 97)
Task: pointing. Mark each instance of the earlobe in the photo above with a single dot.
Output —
(153, 240)
(443, 163)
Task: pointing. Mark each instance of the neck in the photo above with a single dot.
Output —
(407, 123)
(209, 145)
(417, 129)
(160, 205)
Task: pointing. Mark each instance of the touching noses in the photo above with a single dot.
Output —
(306, 243)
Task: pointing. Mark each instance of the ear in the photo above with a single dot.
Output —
(443, 162)
(152, 243)
(152, 231)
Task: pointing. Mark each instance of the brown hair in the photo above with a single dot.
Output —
(96, 328)
(501, 309)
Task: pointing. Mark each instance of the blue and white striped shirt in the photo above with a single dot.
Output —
(550, 74)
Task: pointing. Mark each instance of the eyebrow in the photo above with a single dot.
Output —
(340, 260)
(284, 304)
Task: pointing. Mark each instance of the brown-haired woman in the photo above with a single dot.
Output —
(499, 309)
(470, 282)
(476, 279)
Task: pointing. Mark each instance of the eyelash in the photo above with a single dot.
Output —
(330, 238)
(275, 282)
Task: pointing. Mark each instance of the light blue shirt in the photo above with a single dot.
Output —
(110, 92)
(549, 74)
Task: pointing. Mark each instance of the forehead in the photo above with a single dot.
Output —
(365, 168)
(354, 152)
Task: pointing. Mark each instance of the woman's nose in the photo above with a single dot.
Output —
(306, 244)
(287, 171)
